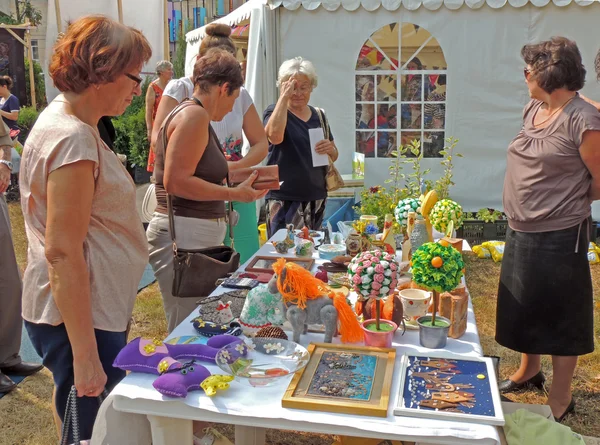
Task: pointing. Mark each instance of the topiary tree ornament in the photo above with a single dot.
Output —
(439, 268)
(374, 274)
(404, 207)
(446, 215)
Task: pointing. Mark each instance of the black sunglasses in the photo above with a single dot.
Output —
(136, 79)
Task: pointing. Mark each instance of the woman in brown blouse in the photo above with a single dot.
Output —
(192, 169)
(545, 299)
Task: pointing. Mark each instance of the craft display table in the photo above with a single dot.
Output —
(253, 410)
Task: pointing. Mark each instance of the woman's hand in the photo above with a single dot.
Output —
(325, 147)
(90, 378)
(288, 88)
(245, 192)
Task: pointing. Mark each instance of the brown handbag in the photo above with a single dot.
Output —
(268, 177)
(196, 271)
(334, 180)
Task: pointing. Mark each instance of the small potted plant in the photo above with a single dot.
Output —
(374, 275)
(437, 267)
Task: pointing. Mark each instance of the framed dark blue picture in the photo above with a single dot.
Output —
(449, 387)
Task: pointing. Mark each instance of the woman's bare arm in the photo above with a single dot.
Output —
(590, 154)
(70, 193)
(255, 133)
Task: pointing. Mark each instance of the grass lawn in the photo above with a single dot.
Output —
(26, 419)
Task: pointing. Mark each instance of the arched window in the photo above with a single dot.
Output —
(400, 91)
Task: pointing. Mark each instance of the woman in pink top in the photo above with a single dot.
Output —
(545, 298)
(87, 248)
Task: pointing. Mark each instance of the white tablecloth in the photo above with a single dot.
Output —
(261, 407)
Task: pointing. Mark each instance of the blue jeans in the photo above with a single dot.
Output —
(52, 344)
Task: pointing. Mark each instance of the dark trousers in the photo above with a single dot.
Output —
(52, 344)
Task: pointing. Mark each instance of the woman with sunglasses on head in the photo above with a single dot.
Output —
(545, 298)
(243, 120)
(87, 249)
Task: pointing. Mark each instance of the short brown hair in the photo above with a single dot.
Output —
(96, 50)
(555, 63)
(217, 67)
(6, 81)
(217, 36)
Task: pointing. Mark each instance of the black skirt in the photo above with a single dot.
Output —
(545, 298)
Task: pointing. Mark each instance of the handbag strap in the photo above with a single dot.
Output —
(324, 123)
(71, 422)
(169, 198)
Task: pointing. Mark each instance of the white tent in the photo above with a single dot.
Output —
(145, 15)
(362, 50)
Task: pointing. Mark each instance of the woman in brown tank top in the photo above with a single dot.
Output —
(545, 298)
(192, 169)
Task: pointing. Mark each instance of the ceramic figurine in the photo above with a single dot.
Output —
(224, 314)
(309, 301)
(419, 234)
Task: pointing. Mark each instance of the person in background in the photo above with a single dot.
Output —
(9, 103)
(193, 169)
(87, 249)
(11, 322)
(545, 299)
(164, 71)
(243, 120)
(597, 68)
(303, 194)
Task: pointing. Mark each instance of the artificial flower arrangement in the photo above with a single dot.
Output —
(446, 216)
(437, 267)
(374, 275)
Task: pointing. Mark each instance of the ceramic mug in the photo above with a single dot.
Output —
(415, 302)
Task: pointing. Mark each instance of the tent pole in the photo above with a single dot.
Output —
(31, 73)
(58, 18)
(120, 8)
(166, 25)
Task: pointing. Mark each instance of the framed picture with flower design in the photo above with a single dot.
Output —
(343, 379)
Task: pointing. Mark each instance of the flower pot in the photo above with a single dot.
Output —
(382, 338)
(433, 337)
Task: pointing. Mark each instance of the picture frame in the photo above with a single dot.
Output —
(344, 379)
(264, 263)
(472, 378)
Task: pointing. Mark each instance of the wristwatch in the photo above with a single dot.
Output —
(7, 163)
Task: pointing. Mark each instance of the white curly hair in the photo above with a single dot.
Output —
(294, 66)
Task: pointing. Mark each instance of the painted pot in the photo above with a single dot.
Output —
(415, 303)
(379, 339)
(433, 337)
(353, 244)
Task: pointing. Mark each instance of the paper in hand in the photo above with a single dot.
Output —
(316, 135)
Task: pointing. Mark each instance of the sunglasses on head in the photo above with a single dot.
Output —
(136, 79)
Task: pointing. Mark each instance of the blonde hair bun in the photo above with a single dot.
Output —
(218, 30)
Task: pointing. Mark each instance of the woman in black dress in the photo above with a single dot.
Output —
(545, 298)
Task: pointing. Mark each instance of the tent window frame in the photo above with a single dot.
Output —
(398, 71)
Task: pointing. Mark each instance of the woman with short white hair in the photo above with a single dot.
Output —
(164, 71)
(303, 194)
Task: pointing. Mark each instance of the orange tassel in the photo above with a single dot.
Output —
(350, 330)
(358, 307)
(388, 308)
